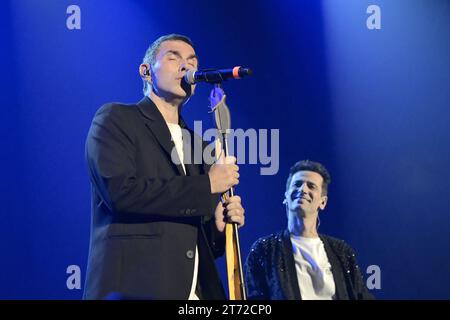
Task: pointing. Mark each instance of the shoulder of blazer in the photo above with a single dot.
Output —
(341, 250)
(148, 109)
(117, 113)
(339, 246)
(264, 245)
(117, 107)
(120, 116)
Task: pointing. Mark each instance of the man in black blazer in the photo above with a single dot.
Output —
(299, 263)
(157, 222)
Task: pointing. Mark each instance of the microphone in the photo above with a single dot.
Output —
(216, 76)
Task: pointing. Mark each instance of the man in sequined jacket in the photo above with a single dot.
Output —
(299, 263)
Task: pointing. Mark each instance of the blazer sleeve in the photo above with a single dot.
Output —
(359, 287)
(215, 238)
(255, 278)
(110, 157)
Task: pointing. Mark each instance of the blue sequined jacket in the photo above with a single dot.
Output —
(270, 269)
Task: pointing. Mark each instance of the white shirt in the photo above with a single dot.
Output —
(314, 275)
(177, 137)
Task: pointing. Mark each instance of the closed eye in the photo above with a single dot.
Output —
(298, 184)
(311, 185)
(173, 55)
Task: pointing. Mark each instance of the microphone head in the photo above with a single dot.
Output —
(245, 72)
(189, 77)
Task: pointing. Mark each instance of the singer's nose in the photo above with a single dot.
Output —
(302, 188)
(183, 66)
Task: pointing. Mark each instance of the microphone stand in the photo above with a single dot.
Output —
(236, 283)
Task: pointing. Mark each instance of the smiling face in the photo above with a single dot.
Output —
(172, 61)
(305, 195)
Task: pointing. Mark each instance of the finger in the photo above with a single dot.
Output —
(234, 205)
(236, 219)
(230, 160)
(232, 181)
(234, 199)
(220, 206)
(221, 159)
(232, 168)
(237, 212)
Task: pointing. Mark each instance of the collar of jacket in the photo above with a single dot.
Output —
(289, 280)
(159, 128)
(149, 110)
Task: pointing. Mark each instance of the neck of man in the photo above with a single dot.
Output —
(169, 108)
(304, 225)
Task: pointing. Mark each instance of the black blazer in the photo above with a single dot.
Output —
(147, 215)
(270, 269)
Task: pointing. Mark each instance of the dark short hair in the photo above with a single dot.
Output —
(308, 165)
(153, 49)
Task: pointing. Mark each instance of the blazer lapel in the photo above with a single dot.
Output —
(288, 278)
(191, 144)
(157, 125)
(338, 276)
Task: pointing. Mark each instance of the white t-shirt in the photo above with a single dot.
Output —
(314, 275)
(177, 137)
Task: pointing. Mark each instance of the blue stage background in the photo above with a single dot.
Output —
(372, 105)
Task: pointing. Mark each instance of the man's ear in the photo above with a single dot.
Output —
(285, 198)
(145, 72)
(323, 204)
